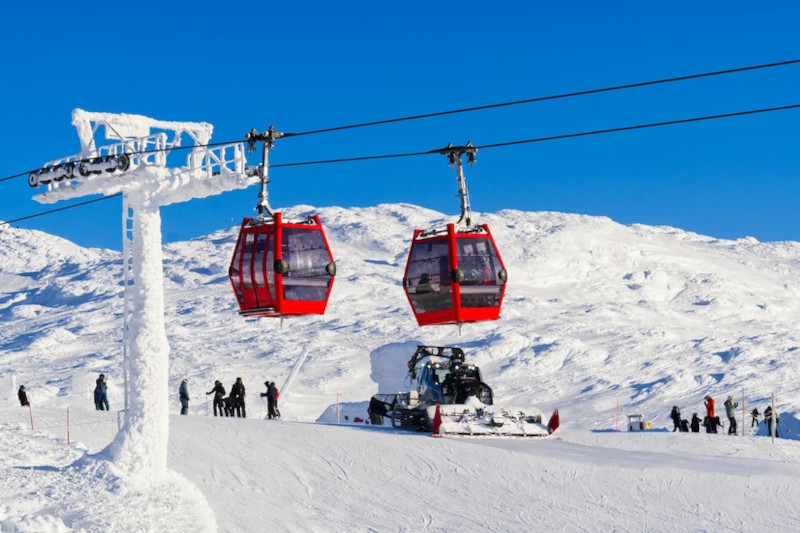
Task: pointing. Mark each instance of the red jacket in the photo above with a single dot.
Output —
(709, 407)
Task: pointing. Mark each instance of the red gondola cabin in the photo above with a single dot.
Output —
(282, 268)
(454, 276)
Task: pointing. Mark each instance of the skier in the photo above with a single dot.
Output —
(710, 421)
(271, 399)
(754, 416)
(23, 396)
(277, 397)
(768, 420)
(101, 394)
(730, 411)
(675, 415)
(709, 403)
(695, 423)
(183, 394)
(219, 392)
(237, 393)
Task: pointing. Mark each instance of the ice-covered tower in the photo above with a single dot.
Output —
(135, 165)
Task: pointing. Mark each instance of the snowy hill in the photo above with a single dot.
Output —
(595, 313)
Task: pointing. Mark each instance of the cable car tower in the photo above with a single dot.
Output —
(135, 164)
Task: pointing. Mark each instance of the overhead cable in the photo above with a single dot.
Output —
(551, 97)
(483, 107)
(56, 210)
(552, 137)
(480, 147)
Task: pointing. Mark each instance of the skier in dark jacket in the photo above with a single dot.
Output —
(768, 420)
(271, 400)
(754, 414)
(675, 415)
(695, 423)
(101, 394)
(237, 393)
(183, 394)
(23, 396)
(219, 393)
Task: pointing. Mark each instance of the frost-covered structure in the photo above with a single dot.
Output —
(135, 165)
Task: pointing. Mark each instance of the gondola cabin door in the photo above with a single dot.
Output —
(282, 269)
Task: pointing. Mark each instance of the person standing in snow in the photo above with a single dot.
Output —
(768, 420)
(270, 395)
(183, 394)
(23, 396)
(695, 423)
(754, 414)
(101, 394)
(219, 393)
(237, 393)
(711, 421)
(277, 397)
(710, 407)
(730, 411)
(675, 415)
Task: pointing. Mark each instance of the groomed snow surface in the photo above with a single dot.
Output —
(596, 315)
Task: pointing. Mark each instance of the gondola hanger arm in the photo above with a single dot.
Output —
(454, 157)
(267, 140)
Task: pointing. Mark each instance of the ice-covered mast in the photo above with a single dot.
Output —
(135, 164)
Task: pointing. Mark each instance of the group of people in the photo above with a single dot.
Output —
(234, 404)
(711, 421)
(768, 420)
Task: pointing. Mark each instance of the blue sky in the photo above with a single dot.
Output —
(312, 65)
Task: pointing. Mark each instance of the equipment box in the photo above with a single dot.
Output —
(635, 423)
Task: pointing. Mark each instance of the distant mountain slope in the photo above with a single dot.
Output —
(595, 312)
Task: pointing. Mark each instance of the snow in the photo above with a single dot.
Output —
(595, 313)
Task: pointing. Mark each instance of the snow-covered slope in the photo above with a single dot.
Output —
(596, 314)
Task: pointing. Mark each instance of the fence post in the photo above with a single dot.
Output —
(772, 424)
(744, 413)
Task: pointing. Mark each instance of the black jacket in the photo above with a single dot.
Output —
(219, 391)
(237, 391)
